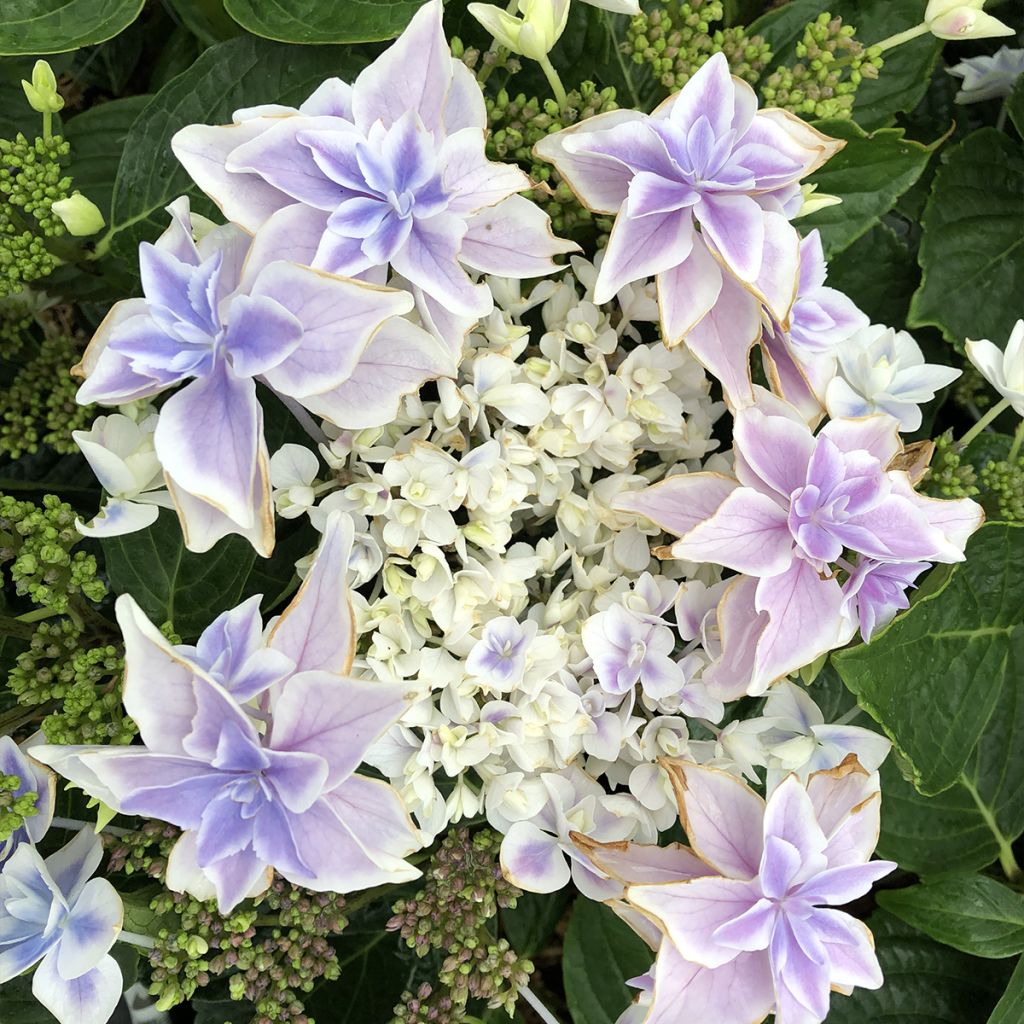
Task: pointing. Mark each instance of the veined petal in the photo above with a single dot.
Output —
(472, 181)
(711, 93)
(89, 998)
(748, 532)
(91, 929)
(678, 503)
(777, 449)
(687, 292)
(736, 226)
(532, 859)
(513, 239)
(208, 439)
(261, 335)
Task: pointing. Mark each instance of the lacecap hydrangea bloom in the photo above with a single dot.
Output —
(386, 172)
(251, 745)
(743, 919)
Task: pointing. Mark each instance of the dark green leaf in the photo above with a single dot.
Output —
(97, 138)
(222, 1011)
(972, 245)
(205, 19)
(600, 954)
(54, 26)
(972, 913)
(237, 73)
(869, 174)
(879, 273)
(924, 982)
(783, 27)
(19, 1006)
(933, 678)
(1015, 106)
(324, 21)
(529, 925)
(188, 589)
(1008, 1008)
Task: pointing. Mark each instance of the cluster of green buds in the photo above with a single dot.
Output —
(831, 64)
(464, 890)
(949, 475)
(14, 809)
(39, 407)
(17, 314)
(425, 1006)
(37, 201)
(518, 122)
(675, 39)
(37, 544)
(1002, 488)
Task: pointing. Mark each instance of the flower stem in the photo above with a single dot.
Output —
(554, 81)
(538, 1007)
(1018, 437)
(75, 825)
(135, 939)
(985, 420)
(37, 616)
(47, 125)
(900, 38)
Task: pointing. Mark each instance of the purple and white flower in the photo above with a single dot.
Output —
(217, 316)
(1002, 368)
(743, 919)
(875, 591)
(798, 501)
(35, 778)
(251, 745)
(55, 914)
(387, 171)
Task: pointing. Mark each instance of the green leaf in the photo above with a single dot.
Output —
(19, 1006)
(1007, 1010)
(869, 174)
(1015, 106)
(97, 137)
(879, 273)
(54, 26)
(972, 243)
(190, 590)
(924, 981)
(529, 925)
(972, 913)
(206, 20)
(238, 73)
(600, 954)
(324, 21)
(933, 677)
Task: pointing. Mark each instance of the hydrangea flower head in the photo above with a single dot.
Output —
(1003, 369)
(705, 158)
(988, 76)
(55, 914)
(797, 503)
(744, 919)
(389, 170)
(217, 315)
(251, 746)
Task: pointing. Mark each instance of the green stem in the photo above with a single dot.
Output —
(135, 939)
(494, 48)
(1001, 117)
(37, 616)
(1007, 861)
(554, 81)
(1018, 438)
(900, 38)
(609, 22)
(985, 420)
(12, 627)
(47, 125)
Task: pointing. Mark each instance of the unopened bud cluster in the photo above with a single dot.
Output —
(675, 39)
(14, 809)
(464, 890)
(949, 474)
(518, 122)
(831, 66)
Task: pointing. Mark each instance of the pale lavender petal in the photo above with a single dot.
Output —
(722, 817)
(690, 913)
(262, 334)
(203, 151)
(776, 283)
(317, 631)
(709, 93)
(635, 144)
(88, 999)
(225, 829)
(752, 930)
(399, 359)
(473, 181)
(293, 233)
(801, 985)
(778, 450)
(641, 247)
(851, 953)
(280, 159)
(430, 260)
(274, 842)
(780, 865)
(298, 777)
(846, 804)
(748, 533)
(722, 340)
(740, 627)
(90, 930)
(839, 886)
(512, 239)
(333, 97)
(740, 990)
(736, 226)
(687, 292)
(877, 435)
(374, 814)
(73, 865)
(896, 530)
(336, 718)
(789, 816)
(414, 73)
(532, 859)
(338, 318)
(208, 438)
(680, 502)
(636, 862)
(792, 138)
(18, 957)
(236, 877)
(600, 182)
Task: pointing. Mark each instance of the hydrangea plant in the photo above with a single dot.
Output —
(493, 512)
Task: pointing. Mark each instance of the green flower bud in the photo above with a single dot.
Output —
(41, 92)
(81, 216)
